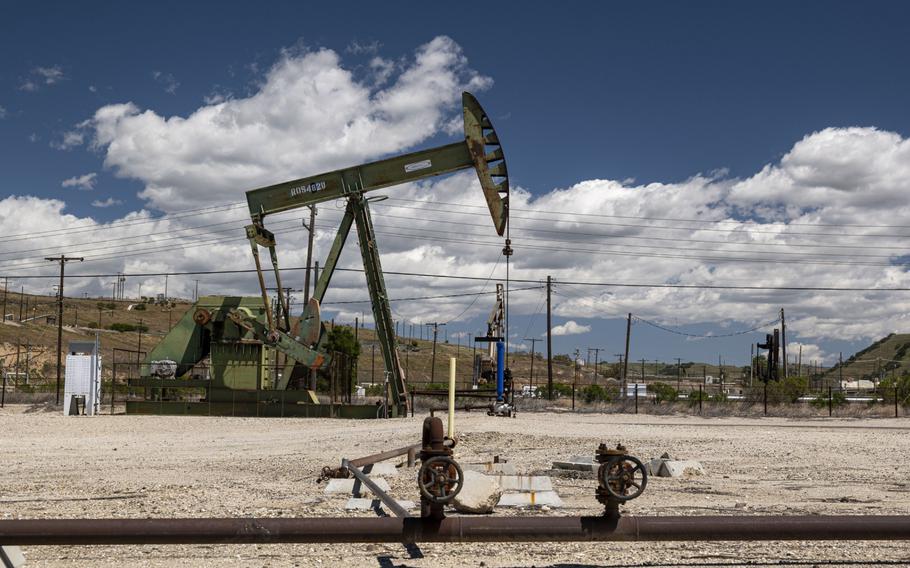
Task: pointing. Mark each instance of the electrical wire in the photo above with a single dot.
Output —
(707, 336)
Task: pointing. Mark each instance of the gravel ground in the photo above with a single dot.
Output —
(164, 466)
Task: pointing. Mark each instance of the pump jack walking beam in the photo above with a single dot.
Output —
(480, 149)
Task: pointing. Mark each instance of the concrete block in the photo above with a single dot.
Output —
(577, 463)
(491, 467)
(524, 482)
(11, 557)
(679, 468)
(530, 499)
(383, 468)
(363, 504)
(654, 466)
(479, 493)
(336, 486)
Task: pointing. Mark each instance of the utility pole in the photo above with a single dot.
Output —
(783, 341)
(678, 373)
(643, 369)
(5, 289)
(751, 363)
(21, 297)
(139, 346)
(597, 351)
(373, 365)
(309, 252)
(62, 260)
(625, 365)
(799, 361)
(533, 341)
(435, 326)
(549, 340)
(840, 369)
(575, 380)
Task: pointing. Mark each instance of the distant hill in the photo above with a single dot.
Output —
(888, 356)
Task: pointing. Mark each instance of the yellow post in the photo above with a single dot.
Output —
(451, 397)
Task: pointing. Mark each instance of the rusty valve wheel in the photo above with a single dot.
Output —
(624, 477)
(440, 479)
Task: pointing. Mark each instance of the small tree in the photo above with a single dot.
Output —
(663, 392)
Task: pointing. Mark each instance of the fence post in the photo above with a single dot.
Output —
(766, 397)
(895, 400)
(573, 397)
(700, 389)
(636, 398)
(830, 402)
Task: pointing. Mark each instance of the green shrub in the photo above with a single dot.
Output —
(597, 393)
(663, 392)
(561, 389)
(838, 399)
(139, 307)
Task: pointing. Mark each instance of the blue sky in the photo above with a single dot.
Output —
(635, 92)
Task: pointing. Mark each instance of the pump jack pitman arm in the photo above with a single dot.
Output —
(480, 149)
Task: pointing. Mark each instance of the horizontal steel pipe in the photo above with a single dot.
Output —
(376, 458)
(451, 529)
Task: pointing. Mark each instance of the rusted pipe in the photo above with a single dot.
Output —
(376, 458)
(451, 529)
(466, 408)
(387, 499)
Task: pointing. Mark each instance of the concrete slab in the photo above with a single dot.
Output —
(524, 482)
(384, 468)
(530, 499)
(364, 504)
(654, 466)
(336, 486)
(679, 468)
(577, 463)
(491, 467)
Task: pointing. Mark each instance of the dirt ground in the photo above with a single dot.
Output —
(154, 466)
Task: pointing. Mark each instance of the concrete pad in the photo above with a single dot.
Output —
(530, 499)
(577, 463)
(363, 504)
(524, 482)
(11, 556)
(479, 493)
(679, 468)
(654, 466)
(383, 468)
(335, 486)
(491, 467)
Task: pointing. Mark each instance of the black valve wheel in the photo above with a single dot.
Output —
(440, 479)
(624, 477)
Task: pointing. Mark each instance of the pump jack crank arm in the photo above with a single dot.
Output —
(313, 357)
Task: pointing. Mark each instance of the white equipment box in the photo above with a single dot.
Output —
(83, 377)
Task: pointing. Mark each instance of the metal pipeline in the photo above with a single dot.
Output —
(451, 529)
(376, 458)
(387, 499)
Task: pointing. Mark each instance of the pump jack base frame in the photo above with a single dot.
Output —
(263, 403)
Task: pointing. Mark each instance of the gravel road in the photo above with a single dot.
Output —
(166, 466)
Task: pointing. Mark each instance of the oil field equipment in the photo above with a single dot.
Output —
(242, 336)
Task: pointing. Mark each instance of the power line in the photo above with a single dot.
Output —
(538, 281)
(707, 336)
(643, 218)
(461, 295)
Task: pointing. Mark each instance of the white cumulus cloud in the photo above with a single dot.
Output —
(570, 328)
(109, 202)
(84, 182)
